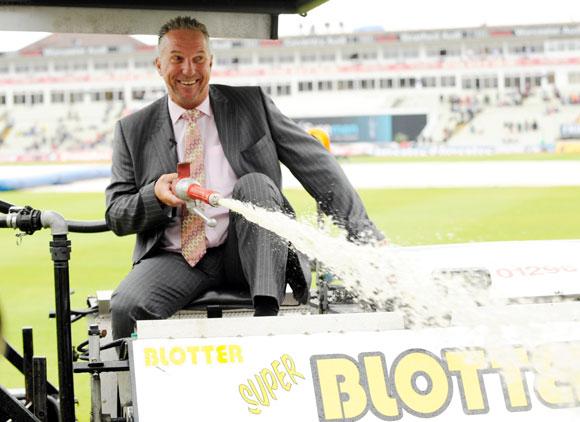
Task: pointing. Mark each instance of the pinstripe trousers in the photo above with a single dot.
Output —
(162, 283)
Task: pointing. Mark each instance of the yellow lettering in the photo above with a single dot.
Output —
(467, 364)
(261, 395)
(235, 353)
(151, 358)
(338, 388)
(383, 402)
(193, 350)
(222, 356)
(288, 363)
(550, 386)
(207, 350)
(271, 384)
(246, 393)
(407, 369)
(177, 356)
(188, 354)
(281, 375)
(265, 383)
(511, 362)
(162, 356)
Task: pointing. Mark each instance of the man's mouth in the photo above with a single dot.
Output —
(189, 83)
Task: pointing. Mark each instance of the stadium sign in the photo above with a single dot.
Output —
(546, 31)
(75, 51)
(451, 374)
(570, 131)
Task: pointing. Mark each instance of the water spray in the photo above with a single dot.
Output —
(189, 190)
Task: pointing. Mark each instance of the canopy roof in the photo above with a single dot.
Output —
(224, 18)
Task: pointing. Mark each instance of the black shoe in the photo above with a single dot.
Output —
(265, 306)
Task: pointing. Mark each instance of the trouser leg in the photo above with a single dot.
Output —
(262, 254)
(161, 285)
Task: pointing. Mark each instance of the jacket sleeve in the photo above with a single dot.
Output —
(131, 208)
(320, 174)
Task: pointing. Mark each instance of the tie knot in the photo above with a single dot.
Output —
(191, 115)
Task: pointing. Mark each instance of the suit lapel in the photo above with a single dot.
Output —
(163, 138)
(224, 112)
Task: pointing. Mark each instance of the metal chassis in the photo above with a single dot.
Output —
(28, 221)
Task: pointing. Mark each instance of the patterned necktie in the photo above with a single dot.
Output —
(192, 227)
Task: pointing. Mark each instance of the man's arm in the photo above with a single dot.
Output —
(132, 208)
(320, 174)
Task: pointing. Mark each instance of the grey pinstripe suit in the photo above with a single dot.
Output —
(255, 137)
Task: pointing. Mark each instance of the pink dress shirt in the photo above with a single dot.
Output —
(219, 176)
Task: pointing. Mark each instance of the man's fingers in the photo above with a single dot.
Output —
(164, 190)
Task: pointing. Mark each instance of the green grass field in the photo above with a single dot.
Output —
(457, 158)
(99, 261)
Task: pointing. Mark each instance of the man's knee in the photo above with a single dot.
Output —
(258, 189)
(126, 309)
(121, 305)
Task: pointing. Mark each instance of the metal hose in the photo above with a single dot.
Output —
(75, 226)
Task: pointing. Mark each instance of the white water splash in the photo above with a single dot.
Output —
(377, 275)
(385, 279)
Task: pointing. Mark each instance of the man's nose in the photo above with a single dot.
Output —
(188, 68)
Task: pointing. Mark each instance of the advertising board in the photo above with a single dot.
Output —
(445, 374)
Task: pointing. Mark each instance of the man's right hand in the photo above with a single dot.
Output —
(164, 190)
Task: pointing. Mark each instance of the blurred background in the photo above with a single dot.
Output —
(412, 79)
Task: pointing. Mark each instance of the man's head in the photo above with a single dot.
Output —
(185, 60)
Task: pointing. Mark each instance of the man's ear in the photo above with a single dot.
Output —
(210, 61)
(158, 65)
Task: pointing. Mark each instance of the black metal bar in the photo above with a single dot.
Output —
(13, 408)
(320, 276)
(27, 355)
(39, 388)
(214, 311)
(17, 361)
(60, 253)
(87, 226)
(273, 26)
(13, 357)
(95, 361)
(106, 366)
(4, 207)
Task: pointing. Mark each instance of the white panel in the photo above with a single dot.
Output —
(327, 377)
(281, 325)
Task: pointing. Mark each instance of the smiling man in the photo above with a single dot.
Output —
(234, 139)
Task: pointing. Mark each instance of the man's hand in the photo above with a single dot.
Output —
(164, 190)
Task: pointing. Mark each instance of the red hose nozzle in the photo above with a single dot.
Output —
(196, 192)
(188, 188)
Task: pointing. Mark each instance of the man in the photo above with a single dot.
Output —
(235, 138)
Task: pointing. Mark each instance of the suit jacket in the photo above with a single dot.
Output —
(255, 137)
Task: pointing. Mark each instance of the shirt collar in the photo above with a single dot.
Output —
(175, 111)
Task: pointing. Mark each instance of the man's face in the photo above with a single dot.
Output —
(184, 63)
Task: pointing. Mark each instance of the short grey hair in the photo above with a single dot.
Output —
(183, 22)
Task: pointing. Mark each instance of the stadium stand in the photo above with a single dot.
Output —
(509, 88)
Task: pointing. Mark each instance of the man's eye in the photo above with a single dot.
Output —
(199, 59)
(175, 59)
